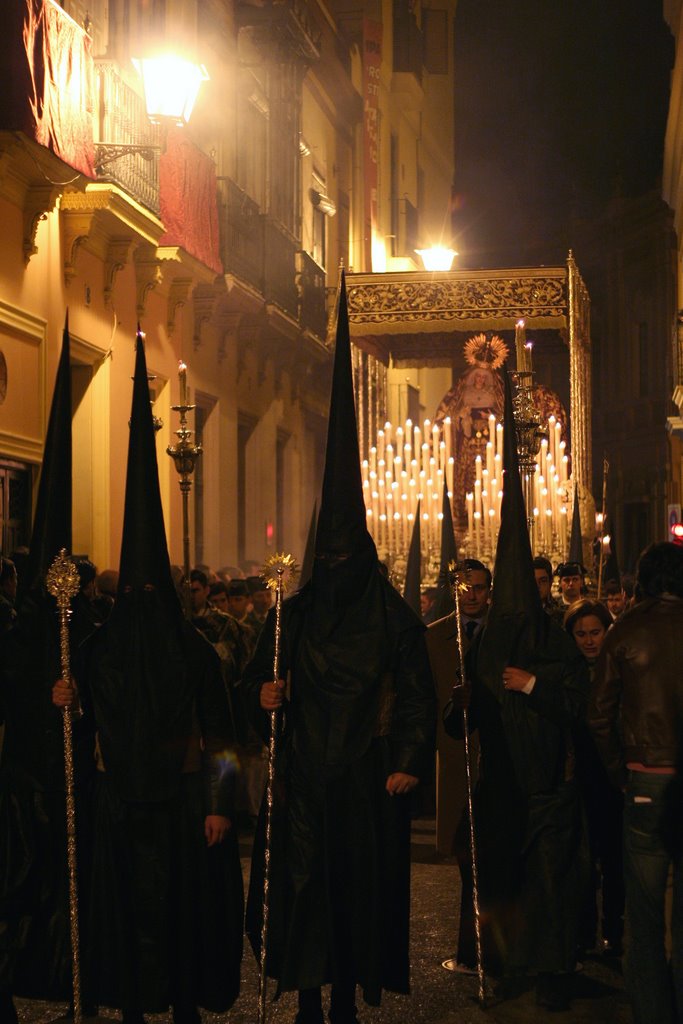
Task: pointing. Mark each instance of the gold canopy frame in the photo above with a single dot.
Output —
(411, 319)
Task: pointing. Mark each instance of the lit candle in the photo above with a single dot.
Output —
(182, 377)
(551, 438)
(490, 459)
(447, 437)
(520, 342)
(477, 467)
(387, 432)
(470, 520)
(477, 536)
(563, 532)
(499, 440)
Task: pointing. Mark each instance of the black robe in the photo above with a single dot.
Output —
(360, 706)
(528, 820)
(166, 910)
(35, 945)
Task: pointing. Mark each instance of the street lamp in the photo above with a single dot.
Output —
(438, 257)
(171, 85)
(185, 455)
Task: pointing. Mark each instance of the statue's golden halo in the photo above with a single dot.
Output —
(488, 353)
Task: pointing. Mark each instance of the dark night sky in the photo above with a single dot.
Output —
(558, 103)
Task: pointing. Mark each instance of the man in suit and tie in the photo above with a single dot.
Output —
(442, 644)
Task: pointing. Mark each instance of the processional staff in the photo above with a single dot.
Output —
(279, 573)
(63, 583)
(605, 471)
(458, 581)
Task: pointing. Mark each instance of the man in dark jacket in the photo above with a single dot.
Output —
(359, 716)
(636, 714)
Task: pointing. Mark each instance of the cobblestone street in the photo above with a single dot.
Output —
(439, 997)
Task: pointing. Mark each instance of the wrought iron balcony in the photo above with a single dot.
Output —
(121, 122)
(241, 232)
(280, 268)
(310, 280)
(282, 27)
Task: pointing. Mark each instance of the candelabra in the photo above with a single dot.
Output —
(185, 455)
(528, 430)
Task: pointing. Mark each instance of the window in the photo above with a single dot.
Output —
(435, 32)
(245, 428)
(252, 136)
(15, 505)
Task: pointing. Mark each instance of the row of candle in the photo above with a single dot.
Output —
(549, 495)
(411, 463)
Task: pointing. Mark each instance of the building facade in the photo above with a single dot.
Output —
(673, 194)
(323, 137)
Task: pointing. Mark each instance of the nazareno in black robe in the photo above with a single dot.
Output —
(35, 944)
(166, 911)
(360, 705)
(528, 820)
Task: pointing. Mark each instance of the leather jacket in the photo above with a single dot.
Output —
(636, 705)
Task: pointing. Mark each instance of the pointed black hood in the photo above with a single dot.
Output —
(309, 551)
(576, 541)
(143, 659)
(52, 521)
(412, 588)
(444, 604)
(144, 553)
(515, 592)
(342, 525)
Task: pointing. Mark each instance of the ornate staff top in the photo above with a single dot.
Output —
(280, 570)
(62, 580)
(458, 577)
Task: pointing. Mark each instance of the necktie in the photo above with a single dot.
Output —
(471, 628)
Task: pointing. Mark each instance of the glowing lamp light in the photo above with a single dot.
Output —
(171, 86)
(437, 258)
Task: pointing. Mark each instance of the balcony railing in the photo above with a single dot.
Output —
(122, 120)
(312, 295)
(280, 268)
(241, 233)
(283, 26)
